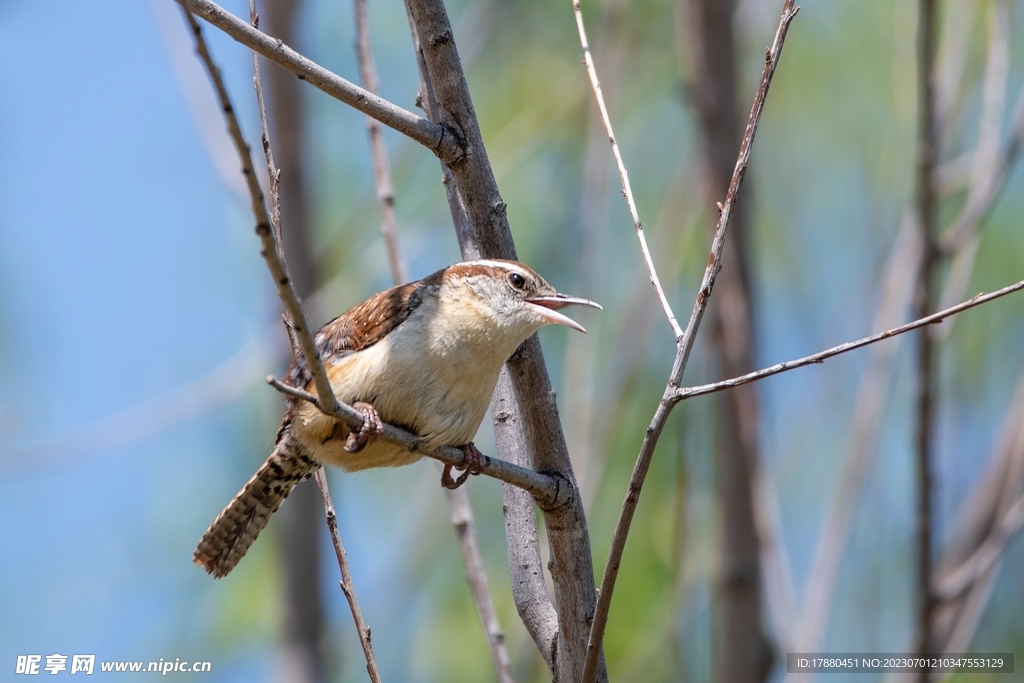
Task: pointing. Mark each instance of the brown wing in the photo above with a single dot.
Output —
(365, 324)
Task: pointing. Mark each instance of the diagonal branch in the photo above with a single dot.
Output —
(627, 191)
(379, 152)
(725, 210)
(528, 397)
(683, 347)
(822, 356)
(547, 490)
(346, 579)
(441, 140)
(297, 324)
(272, 170)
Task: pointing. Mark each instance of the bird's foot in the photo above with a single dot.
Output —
(372, 426)
(474, 465)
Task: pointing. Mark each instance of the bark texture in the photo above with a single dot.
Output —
(531, 405)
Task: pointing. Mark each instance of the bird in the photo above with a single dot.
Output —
(423, 356)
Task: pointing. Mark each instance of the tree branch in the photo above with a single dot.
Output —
(458, 500)
(821, 356)
(529, 396)
(546, 490)
(683, 347)
(272, 171)
(526, 568)
(378, 150)
(465, 534)
(327, 402)
(346, 579)
(925, 384)
(444, 142)
(627, 191)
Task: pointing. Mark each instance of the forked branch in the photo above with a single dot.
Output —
(549, 491)
(822, 356)
(683, 347)
(438, 138)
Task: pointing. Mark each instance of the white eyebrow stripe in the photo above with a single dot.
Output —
(504, 265)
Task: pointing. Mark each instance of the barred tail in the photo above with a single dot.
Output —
(237, 526)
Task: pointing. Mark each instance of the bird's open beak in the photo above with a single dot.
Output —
(547, 307)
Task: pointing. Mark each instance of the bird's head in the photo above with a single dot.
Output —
(512, 295)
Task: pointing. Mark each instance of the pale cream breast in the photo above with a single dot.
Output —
(433, 374)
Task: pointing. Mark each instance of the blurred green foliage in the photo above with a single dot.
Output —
(830, 178)
(831, 175)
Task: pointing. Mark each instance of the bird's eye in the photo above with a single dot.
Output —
(517, 280)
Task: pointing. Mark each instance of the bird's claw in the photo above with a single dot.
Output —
(372, 426)
(474, 465)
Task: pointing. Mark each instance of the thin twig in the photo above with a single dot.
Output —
(465, 534)
(328, 402)
(378, 150)
(437, 138)
(347, 586)
(272, 171)
(294, 327)
(683, 347)
(725, 210)
(821, 356)
(547, 490)
(627, 191)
